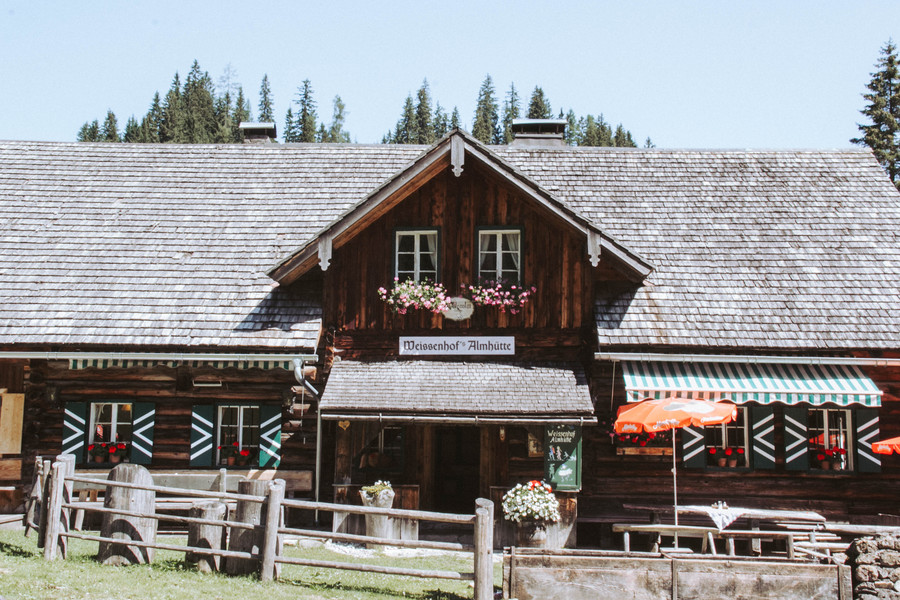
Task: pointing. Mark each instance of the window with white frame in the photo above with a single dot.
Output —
(110, 422)
(417, 255)
(830, 439)
(500, 255)
(237, 434)
(726, 445)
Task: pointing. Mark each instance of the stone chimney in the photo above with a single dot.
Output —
(539, 132)
(258, 133)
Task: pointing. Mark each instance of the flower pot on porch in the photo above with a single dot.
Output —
(825, 465)
(379, 526)
(98, 458)
(732, 462)
(531, 534)
(722, 461)
(229, 461)
(115, 458)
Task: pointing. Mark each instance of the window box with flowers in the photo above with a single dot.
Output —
(505, 296)
(830, 459)
(410, 294)
(108, 452)
(640, 444)
(731, 456)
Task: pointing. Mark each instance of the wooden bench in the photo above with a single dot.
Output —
(707, 534)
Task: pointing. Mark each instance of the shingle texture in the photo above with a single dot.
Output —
(457, 388)
(169, 245)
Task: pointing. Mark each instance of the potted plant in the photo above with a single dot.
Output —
(243, 457)
(379, 495)
(228, 453)
(117, 451)
(506, 296)
(734, 455)
(531, 507)
(823, 457)
(415, 295)
(836, 455)
(98, 452)
(717, 456)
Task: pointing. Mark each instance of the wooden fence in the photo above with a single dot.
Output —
(130, 515)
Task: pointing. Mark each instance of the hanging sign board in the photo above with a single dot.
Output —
(457, 345)
(460, 309)
(562, 457)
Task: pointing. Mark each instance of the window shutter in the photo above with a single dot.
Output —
(269, 436)
(796, 438)
(202, 428)
(762, 437)
(143, 415)
(693, 446)
(866, 434)
(75, 424)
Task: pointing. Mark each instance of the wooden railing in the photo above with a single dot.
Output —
(130, 505)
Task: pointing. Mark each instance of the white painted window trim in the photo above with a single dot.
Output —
(239, 426)
(114, 424)
(417, 250)
(497, 274)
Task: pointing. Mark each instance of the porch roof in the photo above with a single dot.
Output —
(482, 392)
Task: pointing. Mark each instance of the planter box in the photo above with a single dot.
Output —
(644, 451)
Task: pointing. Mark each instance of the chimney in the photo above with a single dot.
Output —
(258, 133)
(528, 133)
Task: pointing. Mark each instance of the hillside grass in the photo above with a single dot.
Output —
(25, 575)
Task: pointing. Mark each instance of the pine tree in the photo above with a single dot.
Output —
(454, 119)
(152, 122)
(573, 131)
(306, 118)
(622, 138)
(266, 113)
(200, 126)
(484, 127)
(90, 132)
(424, 124)
(539, 106)
(511, 111)
(241, 114)
(110, 130)
(440, 122)
(224, 125)
(591, 135)
(171, 127)
(290, 127)
(405, 131)
(335, 133)
(882, 135)
(133, 132)
(649, 143)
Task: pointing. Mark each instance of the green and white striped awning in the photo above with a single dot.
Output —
(106, 363)
(750, 382)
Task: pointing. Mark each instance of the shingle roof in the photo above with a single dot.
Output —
(457, 388)
(169, 245)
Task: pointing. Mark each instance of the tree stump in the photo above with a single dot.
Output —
(202, 535)
(247, 540)
(122, 527)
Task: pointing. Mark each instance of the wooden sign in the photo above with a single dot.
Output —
(562, 457)
(11, 407)
(460, 309)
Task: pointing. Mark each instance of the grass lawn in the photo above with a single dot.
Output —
(25, 574)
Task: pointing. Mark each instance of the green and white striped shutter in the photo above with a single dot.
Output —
(269, 436)
(143, 419)
(866, 434)
(202, 439)
(762, 437)
(693, 447)
(796, 438)
(75, 424)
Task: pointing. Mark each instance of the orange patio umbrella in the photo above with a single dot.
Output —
(888, 446)
(673, 413)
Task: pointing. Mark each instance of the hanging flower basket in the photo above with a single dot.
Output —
(533, 501)
(415, 295)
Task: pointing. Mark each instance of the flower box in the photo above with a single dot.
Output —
(644, 451)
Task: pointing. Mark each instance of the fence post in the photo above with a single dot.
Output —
(32, 512)
(204, 535)
(270, 533)
(484, 557)
(54, 510)
(124, 528)
(66, 514)
(246, 540)
(44, 502)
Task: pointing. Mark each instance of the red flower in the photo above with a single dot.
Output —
(643, 442)
(245, 453)
(651, 435)
(820, 457)
(90, 447)
(740, 450)
(112, 449)
(728, 451)
(234, 444)
(121, 446)
(712, 450)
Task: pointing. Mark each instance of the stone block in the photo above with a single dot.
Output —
(866, 573)
(889, 558)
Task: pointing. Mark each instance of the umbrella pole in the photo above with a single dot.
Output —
(675, 487)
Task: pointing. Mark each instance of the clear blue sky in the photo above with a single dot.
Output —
(689, 74)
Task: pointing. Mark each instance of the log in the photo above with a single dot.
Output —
(206, 535)
(43, 503)
(123, 527)
(65, 515)
(484, 546)
(270, 549)
(247, 540)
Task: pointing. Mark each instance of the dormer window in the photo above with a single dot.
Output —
(416, 255)
(500, 254)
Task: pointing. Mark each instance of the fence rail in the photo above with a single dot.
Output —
(128, 500)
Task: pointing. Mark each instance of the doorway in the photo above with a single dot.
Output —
(457, 456)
